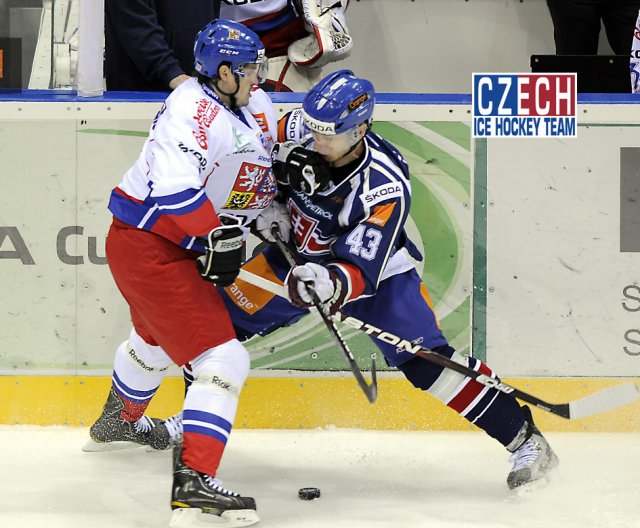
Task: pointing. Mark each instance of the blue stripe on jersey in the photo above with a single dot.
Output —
(127, 210)
(284, 17)
(202, 416)
(189, 428)
(183, 202)
(177, 204)
(130, 394)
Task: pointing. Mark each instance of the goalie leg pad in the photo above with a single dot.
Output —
(329, 38)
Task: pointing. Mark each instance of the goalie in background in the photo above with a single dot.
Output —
(300, 37)
(347, 194)
(149, 43)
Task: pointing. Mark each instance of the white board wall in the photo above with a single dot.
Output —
(433, 46)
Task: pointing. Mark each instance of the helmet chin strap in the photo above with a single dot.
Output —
(230, 95)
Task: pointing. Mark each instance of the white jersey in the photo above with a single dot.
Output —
(277, 22)
(200, 159)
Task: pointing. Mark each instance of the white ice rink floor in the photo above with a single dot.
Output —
(368, 479)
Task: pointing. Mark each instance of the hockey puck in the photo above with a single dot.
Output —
(308, 493)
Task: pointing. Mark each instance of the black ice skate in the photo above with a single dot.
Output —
(195, 496)
(110, 432)
(532, 459)
(168, 433)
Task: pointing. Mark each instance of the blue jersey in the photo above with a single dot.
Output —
(356, 227)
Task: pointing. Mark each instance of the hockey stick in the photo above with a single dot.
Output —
(598, 402)
(370, 390)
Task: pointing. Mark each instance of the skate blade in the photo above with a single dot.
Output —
(96, 447)
(195, 518)
(525, 491)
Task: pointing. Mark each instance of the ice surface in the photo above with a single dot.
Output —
(372, 479)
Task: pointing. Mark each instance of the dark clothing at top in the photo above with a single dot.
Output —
(150, 42)
(576, 25)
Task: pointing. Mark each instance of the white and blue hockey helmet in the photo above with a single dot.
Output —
(224, 41)
(338, 103)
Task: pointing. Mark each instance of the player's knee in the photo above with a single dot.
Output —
(438, 381)
(225, 367)
(149, 358)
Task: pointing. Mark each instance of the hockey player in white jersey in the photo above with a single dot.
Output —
(348, 197)
(180, 215)
(300, 37)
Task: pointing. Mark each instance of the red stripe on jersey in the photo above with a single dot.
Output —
(198, 222)
(317, 247)
(469, 392)
(202, 452)
(356, 279)
(127, 196)
(277, 41)
(484, 369)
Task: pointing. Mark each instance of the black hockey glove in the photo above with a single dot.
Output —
(225, 253)
(302, 169)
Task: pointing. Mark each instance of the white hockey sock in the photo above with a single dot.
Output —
(211, 403)
(138, 371)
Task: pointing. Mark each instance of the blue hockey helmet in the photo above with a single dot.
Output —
(225, 41)
(338, 103)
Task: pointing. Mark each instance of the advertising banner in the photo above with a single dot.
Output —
(60, 310)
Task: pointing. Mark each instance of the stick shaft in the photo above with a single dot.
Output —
(595, 403)
(370, 390)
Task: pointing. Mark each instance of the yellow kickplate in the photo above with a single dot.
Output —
(304, 403)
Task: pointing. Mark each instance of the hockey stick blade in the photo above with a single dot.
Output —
(604, 400)
(370, 390)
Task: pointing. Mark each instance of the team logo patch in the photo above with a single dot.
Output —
(253, 189)
(524, 105)
(301, 225)
(234, 34)
(238, 200)
(249, 177)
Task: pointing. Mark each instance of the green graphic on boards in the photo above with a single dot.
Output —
(439, 157)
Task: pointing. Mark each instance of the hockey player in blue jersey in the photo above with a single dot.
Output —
(347, 194)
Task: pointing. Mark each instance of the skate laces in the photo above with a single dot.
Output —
(173, 425)
(144, 425)
(216, 485)
(525, 455)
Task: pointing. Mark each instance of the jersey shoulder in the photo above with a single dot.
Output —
(385, 154)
